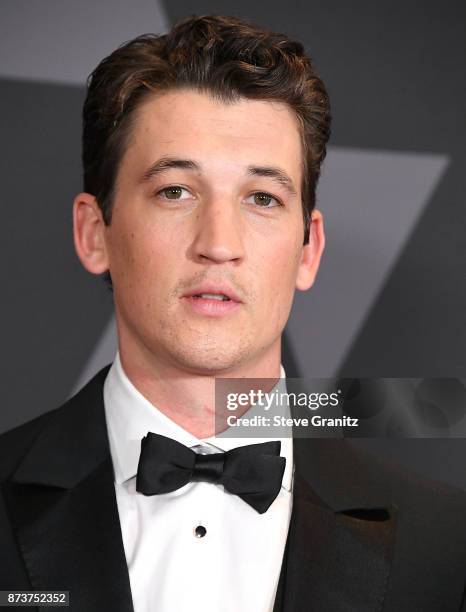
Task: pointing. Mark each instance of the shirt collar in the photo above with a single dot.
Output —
(130, 416)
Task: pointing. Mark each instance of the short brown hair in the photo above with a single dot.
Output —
(224, 56)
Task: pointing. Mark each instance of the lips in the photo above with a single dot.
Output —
(218, 292)
(212, 296)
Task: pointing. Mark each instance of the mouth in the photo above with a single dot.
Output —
(210, 291)
(212, 296)
(212, 301)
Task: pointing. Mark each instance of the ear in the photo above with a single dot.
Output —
(311, 253)
(88, 233)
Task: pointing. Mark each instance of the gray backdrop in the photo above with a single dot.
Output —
(390, 299)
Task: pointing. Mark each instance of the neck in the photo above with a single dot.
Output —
(188, 397)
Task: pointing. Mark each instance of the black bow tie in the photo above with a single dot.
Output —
(252, 472)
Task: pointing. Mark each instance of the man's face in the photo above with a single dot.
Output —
(220, 213)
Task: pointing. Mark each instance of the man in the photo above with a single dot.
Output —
(202, 151)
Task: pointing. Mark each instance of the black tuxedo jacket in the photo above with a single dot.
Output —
(364, 536)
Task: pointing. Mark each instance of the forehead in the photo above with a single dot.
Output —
(215, 133)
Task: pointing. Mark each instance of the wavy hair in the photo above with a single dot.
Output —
(225, 56)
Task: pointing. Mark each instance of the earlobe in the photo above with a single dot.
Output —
(88, 233)
(311, 253)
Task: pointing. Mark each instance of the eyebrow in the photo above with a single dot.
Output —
(278, 175)
(168, 163)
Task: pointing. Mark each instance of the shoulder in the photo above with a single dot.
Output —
(429, 558)
(423, 518)
(15, 443)
(431, 524)
(345, 474)
(404, 484)
(62, 422)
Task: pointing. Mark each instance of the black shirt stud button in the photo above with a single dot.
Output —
(200, 531)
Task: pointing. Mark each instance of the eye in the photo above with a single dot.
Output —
(174, 192)
(264, 200)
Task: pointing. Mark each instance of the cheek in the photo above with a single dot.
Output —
(278, 271)
(282, 261)
(132, 255)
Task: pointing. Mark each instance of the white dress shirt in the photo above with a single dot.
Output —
(236, 565)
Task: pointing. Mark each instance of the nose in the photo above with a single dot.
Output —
(218, 233)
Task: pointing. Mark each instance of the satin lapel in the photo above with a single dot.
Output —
(62, 504)
(339, 551)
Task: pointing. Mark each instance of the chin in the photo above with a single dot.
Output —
(211, 360)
